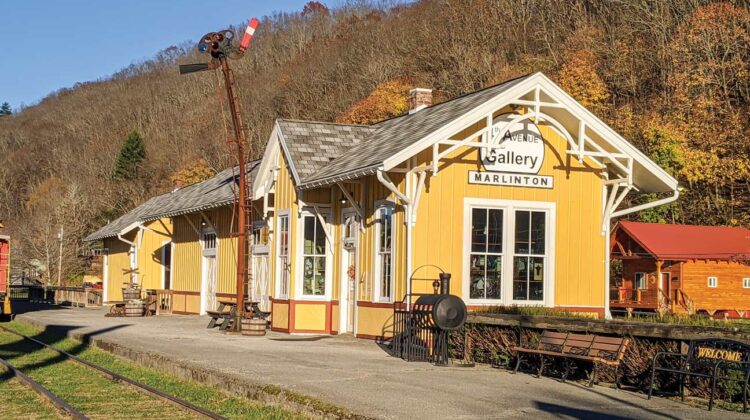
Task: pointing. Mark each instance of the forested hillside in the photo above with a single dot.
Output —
(672, 76)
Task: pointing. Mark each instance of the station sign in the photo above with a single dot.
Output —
(518, 157)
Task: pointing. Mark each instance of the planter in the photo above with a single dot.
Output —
(129, 293)
(254, 327)
(134, 309)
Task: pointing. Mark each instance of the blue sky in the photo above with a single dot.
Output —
(50, 44)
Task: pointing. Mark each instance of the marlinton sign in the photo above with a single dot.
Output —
(520, 151)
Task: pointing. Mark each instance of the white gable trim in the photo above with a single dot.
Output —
(535, 83)
(264, 179)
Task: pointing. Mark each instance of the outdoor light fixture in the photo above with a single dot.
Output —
(343, 200)
(203, 222)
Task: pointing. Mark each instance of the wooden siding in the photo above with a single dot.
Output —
(150, 265)
(186, 271)
(119, 267)
(729, 293)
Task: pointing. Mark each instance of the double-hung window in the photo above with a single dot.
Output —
(529, 257)
(314, 256)
(713, 281)
(486, 256)
(283, 269)
(746, 283)
(384, 252)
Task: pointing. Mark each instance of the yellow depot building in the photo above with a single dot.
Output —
(510, 189)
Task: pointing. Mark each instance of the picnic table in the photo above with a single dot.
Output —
(227, 310)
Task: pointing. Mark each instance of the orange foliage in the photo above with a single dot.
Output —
(579, 77)
(193, 173)
(389, 99)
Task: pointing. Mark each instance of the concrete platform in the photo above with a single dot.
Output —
(351, 373)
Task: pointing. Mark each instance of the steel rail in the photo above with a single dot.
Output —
(43, 392)
(140, 386)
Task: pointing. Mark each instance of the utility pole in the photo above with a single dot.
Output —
(219, 46)
(59, 257)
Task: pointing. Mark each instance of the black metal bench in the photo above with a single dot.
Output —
(707, 358)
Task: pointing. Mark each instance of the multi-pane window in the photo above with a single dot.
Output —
(283, 256)
(486, 257)
(384, 251)
(529, 255)
(746, 282)
(640, 280)
(713, 281)
(209, 240)
(313, 257)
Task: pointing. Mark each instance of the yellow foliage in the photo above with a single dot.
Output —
(192, 173)
(389, 99)
(579, 77)
(46, 193)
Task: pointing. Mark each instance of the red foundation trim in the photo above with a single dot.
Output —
(366, 304)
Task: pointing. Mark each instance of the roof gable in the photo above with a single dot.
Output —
(686, 242)
(311, 146)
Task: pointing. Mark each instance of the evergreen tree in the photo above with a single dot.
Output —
(130, 157)
(5, 109)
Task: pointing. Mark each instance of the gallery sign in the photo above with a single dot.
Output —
(520, 150)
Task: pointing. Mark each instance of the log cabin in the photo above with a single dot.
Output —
(682, 269)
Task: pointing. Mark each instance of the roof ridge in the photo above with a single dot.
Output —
(324, 122)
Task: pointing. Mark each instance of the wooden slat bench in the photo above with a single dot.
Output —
(599, 350)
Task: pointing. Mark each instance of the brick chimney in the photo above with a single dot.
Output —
(178, 183)
(419, 98)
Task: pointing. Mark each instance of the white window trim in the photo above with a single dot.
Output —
(204, 285)
(715, 283)
(259, 249)
(133, 255)
(746, 282)
(164, 244)
(645, 280)
(105, 275)
(509, 207)
(326, 213)
(277, 250)
(376, 255)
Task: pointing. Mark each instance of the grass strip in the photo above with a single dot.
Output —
(17, 401)
(202, 395)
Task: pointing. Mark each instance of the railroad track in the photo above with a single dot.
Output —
(69, 410)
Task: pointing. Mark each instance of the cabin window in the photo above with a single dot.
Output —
(529, 255)
(746, 283)
(640, 280)
(283, 269)
(314, 257)
(713, 281)
(486, 255)
(384, 252)
(260, 237)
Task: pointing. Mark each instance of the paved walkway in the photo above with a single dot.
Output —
(359, 375)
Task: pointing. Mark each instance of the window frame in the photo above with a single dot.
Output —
(715, 282)
(326, 213)
(167, 244)
(486, 253)
(285, 213)
(377, 258)
(746, 282)
(645, 280)
(509, 208)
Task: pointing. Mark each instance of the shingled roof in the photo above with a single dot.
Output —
(116, 226)
(312, 145)
(214, 192)
(391, 136)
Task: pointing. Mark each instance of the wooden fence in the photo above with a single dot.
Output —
(73, 296)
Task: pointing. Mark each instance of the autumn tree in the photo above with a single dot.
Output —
(130, 157)
(580, 78)
(192, 173)
(389, 99)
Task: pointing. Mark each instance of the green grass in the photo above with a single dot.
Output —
(17, 401)
(694, 321)
(531, 311)
(198, 394)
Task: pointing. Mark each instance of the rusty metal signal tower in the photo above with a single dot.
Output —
(220, 47)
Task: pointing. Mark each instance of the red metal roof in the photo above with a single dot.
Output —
(684, 242)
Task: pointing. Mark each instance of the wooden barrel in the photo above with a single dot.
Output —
(134, 309)
(130, 294)
(255, 327)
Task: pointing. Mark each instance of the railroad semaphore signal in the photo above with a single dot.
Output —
(220, 46)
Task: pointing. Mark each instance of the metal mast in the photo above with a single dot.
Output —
(219, 46)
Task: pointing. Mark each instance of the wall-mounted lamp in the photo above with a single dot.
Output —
(343, 199)
(203, 222)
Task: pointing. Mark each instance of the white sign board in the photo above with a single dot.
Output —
(520, 146)
(511, 180)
